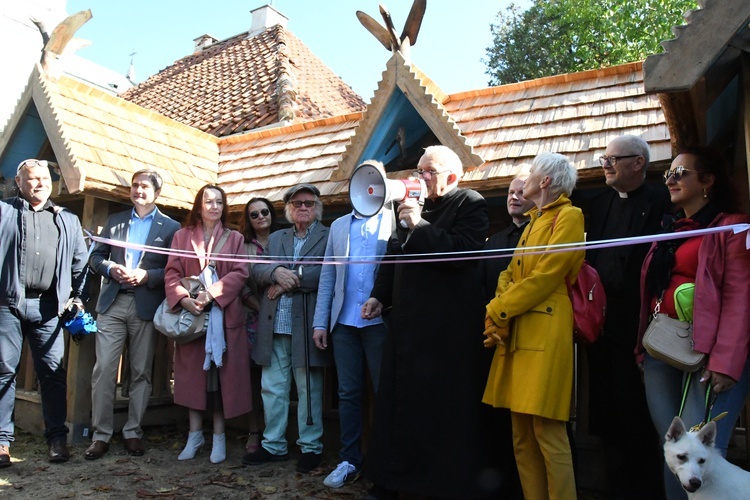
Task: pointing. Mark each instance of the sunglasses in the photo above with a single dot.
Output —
(676, 172)
(299, 203)
(31, 163)
(264, 212)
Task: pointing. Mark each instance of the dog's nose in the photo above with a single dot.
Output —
(695, 483)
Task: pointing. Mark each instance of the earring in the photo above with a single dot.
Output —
(705, 195)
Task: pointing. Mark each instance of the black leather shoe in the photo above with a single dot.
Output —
(96, 450)
(58, 451)
(4, 456)
(378, 492)
(263, 456)
(308, 461)
(135, 447)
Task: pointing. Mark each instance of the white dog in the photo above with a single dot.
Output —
(700, 468)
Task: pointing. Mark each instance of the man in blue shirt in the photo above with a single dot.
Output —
(132, 289)
(342, 291)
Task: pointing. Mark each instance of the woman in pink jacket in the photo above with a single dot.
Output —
(719, 265)
(214, 370)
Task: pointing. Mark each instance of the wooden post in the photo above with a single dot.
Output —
(81, 357)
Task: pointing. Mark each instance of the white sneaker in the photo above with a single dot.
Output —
(345, 472)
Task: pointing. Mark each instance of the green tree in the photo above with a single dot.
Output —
(562, 36)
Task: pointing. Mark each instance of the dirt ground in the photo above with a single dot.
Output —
(158, 474)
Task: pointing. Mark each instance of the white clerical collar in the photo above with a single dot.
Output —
(622, 195)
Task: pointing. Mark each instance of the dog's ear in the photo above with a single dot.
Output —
(676, 430)
(707, 434)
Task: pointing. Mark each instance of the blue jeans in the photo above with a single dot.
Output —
(37, 321)
(664, 385)
(276, 382)
(352, 347)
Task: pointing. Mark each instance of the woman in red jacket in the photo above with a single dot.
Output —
(214, 370)
(719, 265)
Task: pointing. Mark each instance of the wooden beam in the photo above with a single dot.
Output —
(678, 111)
(745, 86)
(81, 357)
(696, 47)
(73, 176)
(367, 124)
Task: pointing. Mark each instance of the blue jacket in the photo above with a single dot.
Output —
(71, 254)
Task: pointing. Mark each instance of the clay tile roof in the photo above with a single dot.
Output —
(243, 83)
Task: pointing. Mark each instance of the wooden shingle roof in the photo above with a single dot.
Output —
(575, 114)
(244, 83)
(267, 162)
(100, 140)
(425, 96)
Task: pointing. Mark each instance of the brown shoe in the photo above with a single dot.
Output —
(96, 450)
(4, 456)
(58, 451)
(135, 447)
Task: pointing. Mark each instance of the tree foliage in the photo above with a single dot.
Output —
(562, 36)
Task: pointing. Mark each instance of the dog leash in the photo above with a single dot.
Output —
(710, 400)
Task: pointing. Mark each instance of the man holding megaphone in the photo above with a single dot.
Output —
(428, 411)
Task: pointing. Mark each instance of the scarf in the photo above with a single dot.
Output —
(660, 269)
(215, 342)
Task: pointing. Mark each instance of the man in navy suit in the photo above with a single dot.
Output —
(132, 289)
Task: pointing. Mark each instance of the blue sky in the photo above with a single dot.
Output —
(449, 49)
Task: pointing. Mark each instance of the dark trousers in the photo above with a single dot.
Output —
(37, 321)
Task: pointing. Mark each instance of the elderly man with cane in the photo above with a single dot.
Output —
(284, 343)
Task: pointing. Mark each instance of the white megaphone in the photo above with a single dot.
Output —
(370, 189)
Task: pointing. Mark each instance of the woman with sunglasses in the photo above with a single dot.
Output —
(719, 265)
(257, 223)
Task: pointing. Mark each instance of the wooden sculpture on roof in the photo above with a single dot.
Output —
(58, 42)
(388, 35)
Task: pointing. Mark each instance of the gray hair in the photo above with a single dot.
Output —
(445, 157)
(635, 146)
(318, 210)
(561, 172)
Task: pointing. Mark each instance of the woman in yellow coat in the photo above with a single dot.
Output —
(530, 321)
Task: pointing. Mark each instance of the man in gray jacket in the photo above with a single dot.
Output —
(42, 271)
(283, 344)
(132, 289)
(342, 291)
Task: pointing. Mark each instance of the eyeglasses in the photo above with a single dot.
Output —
(676, 172)
(31, 162)
(427, 174)
(299, 203)
(612, 160)
(264, 212)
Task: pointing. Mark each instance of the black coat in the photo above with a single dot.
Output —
(490, 269)
(617, 398)
(429, 432)
(619, 268)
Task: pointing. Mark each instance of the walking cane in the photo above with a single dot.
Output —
(305, 294)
